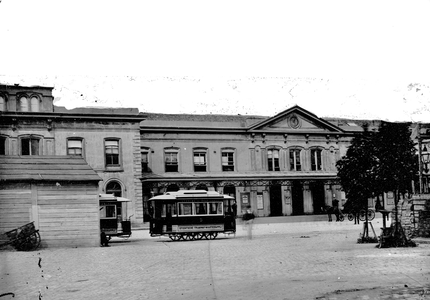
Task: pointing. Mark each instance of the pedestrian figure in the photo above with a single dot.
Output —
(336, 209)
(248, 218)
(329, 211)
(234, 207)
(104, 240)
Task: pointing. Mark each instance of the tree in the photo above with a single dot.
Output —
(397, 161)
(357, 172)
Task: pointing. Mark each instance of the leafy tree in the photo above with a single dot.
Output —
(357, 171)
(397, 160)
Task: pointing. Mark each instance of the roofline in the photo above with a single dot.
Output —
(53, 115)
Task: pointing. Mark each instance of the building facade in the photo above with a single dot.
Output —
(280, 165)
(108, 139)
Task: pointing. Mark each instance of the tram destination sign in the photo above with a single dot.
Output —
(198, 228)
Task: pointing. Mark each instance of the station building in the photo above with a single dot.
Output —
(280, 165)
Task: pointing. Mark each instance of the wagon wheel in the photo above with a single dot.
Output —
(350, 217)
(212, 235)
(27, 242)
(174, 237)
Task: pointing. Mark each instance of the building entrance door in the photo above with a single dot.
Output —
(297, 195)
(275, 200)
(318, 195)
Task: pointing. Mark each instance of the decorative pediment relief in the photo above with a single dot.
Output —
(295, 119)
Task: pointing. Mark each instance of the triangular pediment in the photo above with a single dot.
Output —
(295, 119)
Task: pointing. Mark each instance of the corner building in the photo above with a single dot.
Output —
(280, 165)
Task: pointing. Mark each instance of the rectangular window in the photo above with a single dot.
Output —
(74, 147)
(316, 164)
(215, 208)
(200, 161)
(201, 208)
(185, 209)
(2, 146)
(108, 211)
(273, 160)
(227, 160)
(145, 161)
(112, 153)
(171, 161)
(29, 146)
(295, 160)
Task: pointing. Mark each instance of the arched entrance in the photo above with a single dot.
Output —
(318, 196)
(275, 200)
(297, 195)
(202, 187)
(172, 188)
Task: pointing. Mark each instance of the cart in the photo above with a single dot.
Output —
(23, 238)
(113, 216)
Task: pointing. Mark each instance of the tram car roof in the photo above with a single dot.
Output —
(190, 195)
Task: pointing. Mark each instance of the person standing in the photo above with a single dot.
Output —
(336, 209)
(248, 219)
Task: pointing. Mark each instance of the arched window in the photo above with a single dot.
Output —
(23, 104)
(295, 162)
(230, 190)
(34, 102)
(202, 186)
(114, 187)
(316, 161)
(172, 188)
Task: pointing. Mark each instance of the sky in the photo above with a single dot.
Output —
(336, 58)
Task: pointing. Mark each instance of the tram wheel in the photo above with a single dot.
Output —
(198, 236)
(212, 235)
(350, 217)
(174, 237)
(188, 236)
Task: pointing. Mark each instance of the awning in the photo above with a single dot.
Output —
(112, 197)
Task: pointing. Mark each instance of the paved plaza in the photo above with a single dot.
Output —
(285, 259)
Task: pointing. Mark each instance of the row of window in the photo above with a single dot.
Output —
(200, 160)
(25, 103)
(32, 146)
(192, 209)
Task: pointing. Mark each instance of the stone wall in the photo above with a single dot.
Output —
(414, 215)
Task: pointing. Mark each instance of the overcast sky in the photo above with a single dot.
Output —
(339, 58)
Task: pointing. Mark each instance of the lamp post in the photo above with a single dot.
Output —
(425, 160)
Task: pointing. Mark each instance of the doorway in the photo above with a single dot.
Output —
(275, 200)
(297, 195)
(318, 196)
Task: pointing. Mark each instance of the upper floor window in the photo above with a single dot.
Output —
(75, 147)
(227, 159)
(295, 164)
(171, 160)
(144, 160)
(112, 153)
(2, 103)
(273, 160)
(2, 145)
(30, 146)
(200, 160)
(316, 162)
(23, 104)
(34, 103)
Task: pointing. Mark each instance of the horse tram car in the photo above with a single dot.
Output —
(113, 216)
(192, 215)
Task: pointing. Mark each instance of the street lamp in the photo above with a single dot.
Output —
(425, 159)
